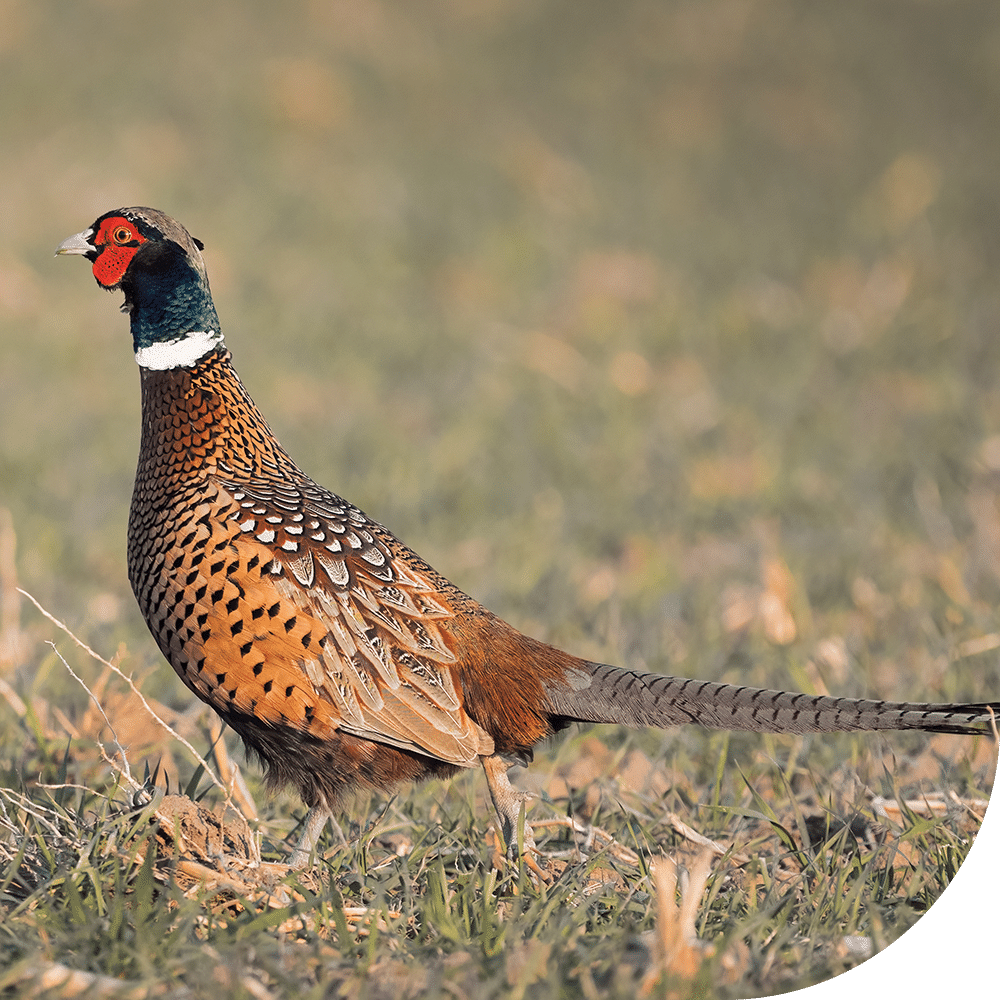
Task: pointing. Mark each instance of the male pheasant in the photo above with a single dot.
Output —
(339, 656)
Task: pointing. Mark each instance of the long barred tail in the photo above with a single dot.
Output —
(601, 693)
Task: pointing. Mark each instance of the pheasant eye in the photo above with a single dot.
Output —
(122, 235)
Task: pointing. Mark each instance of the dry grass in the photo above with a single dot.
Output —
(800, 878)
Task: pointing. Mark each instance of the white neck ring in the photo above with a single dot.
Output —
(180, 353)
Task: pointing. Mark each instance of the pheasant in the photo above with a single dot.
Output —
(337, 654)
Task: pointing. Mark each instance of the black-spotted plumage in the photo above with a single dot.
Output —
(339, 656)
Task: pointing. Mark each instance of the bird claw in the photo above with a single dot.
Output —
(508, 854)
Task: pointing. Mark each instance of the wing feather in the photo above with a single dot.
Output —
(356, 640)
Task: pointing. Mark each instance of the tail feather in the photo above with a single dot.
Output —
(597, 692)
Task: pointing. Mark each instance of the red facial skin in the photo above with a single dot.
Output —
(116, 241)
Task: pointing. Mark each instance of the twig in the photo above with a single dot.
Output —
(135, 690)
(702, 841)
(37, 812)
(37, 978)
(123, 769)
(230, 772)
(928, 805)
(590, 834)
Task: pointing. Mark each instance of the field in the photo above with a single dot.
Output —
(667, 330)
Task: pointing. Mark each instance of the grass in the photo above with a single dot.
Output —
(124, 885)
(667, 332)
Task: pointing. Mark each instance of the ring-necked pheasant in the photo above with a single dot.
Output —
(339, 656)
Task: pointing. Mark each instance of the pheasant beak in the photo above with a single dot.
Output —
(77, 244)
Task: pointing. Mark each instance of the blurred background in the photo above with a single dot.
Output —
(666, 329)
